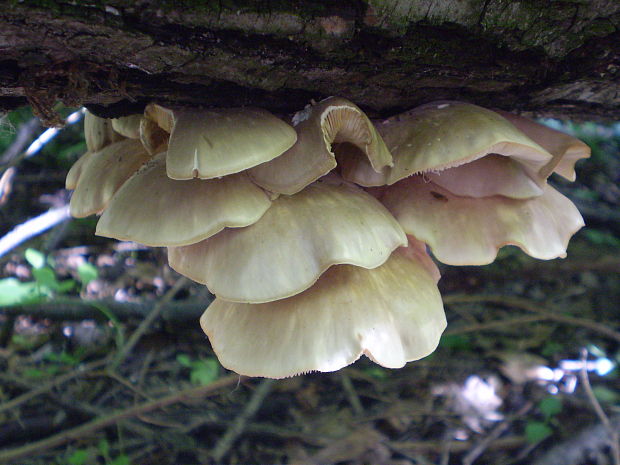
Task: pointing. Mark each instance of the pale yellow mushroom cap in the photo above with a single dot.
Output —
(443, 135)
(469, 231)
(393, 314)
(127, 126)
(566, 149)
(294, 242)
(212, 143)
(155, 210)
(73, 176)
(333, 120)
(98, 132)
(103, 173)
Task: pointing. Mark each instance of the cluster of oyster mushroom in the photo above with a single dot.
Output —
(313, 235)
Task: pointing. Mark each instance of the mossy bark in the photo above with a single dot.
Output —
(559, 58)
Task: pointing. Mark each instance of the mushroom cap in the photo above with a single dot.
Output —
(75, 171)
(566, 149)
(155, 210)
(468, 231)
(487, 176)
(443, 135)
(333, 120)
(164, 117)
(128, 126)
(211, 143)
(103, 173)
(294, 242)
(393, 314)
(98, 132)
(153, 137)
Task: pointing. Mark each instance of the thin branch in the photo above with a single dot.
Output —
(33, 227)
(147, 322)
(238, 426)
(534, 307)
(63, 308)
(614, 437)
(11, 455)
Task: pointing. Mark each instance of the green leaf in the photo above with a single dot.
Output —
(550, 406)
(87, 272)
(536, 431)
(46, 278)
(14, 292)
(35, 258)
(104, 447)
(65, 286)
(204, 371)
(79, 457)
(120, 460)
(184, 360)
(605, 395)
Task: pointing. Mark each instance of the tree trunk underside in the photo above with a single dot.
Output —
(552, 58)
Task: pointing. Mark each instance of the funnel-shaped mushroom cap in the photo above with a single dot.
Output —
(103, 173)
(293, 243)
(155, 210)
(73, 176)
(393, 314)
(98, 132)
(488, 176)
(566, 149)
(333, 120)
(212, 143)
(127, 126)
(468, 231)
(441, 135)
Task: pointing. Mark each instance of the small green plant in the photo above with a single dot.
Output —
(536, 430)
(203, 371)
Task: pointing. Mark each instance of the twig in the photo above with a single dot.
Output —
(146, 323)
(33, 227)
(11, 455)
(614, 437)
(236, 428)
(78, 372)
(476, 451)
(64, 308)
(534, 307)
(24, 135)
(351, 394)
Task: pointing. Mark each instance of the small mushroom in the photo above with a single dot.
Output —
(293, 243)
(127, 126)
(392, 314)
(333, 120)
(103, 173)
(152, 209)
(469, 231)
(98, 132)
(212, 143)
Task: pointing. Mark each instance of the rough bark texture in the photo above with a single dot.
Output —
(559, 58)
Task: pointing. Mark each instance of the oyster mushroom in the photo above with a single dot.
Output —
(102, 173)
(294, 242)
(392, 314)
(442, 135)
(155, 210)
(331, 121)
(469, 231)
(212, 143)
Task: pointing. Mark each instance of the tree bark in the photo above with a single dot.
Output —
(554, 58)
